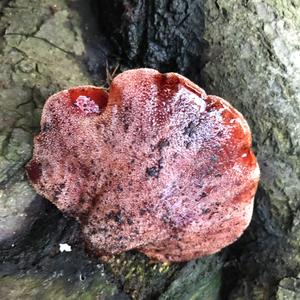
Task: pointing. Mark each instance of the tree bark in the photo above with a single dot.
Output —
(244, 51)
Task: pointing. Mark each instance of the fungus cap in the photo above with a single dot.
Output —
(154, 164)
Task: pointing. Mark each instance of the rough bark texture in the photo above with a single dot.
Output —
(253, 60)
(250, 57)
(165, 35)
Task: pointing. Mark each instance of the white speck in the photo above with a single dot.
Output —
(12, 245)
(244, 155)
(65, 247)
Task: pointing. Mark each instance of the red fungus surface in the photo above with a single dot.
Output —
(154, 165)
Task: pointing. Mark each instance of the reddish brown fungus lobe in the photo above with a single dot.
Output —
(155, 165)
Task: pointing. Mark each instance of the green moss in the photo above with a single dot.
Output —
(143, 279)
(253, 45)
(34, 287)
(140, 277)
(198, 279)
(289, 289)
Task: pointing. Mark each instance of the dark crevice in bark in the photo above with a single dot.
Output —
(3, 4)
(166, 35)
(100, 55)
(147, 9)
(246, 259)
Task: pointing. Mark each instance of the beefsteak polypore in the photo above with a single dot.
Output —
(154, 164)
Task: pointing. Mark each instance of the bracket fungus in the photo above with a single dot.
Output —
(154, 165)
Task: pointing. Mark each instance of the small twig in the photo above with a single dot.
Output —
(111, 75)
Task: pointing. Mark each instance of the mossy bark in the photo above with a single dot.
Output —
(253, 61)
(244, 51)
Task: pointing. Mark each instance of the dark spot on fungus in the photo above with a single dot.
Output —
(206, 210)
(162, 144)
(116, 216)
(83, 217)
(213, 159)
(46, 127)
(190, 130)
(119, 188)
(126, 126)
(187, 144)
(34, 171)
(129, 221)
(142, 211)
(152, 172)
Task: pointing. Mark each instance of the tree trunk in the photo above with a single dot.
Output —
(244, 51)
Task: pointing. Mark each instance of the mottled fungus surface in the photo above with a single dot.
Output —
(154, 164)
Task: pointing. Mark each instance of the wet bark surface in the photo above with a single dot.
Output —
(165, 35)
(252, 62)
(243, 51)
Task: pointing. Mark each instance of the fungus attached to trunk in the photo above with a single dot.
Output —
(154, 165)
